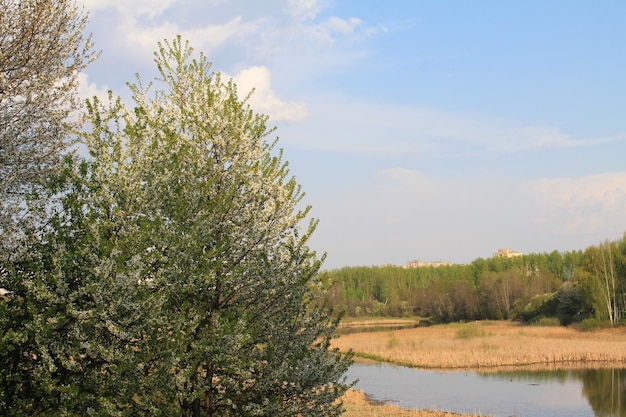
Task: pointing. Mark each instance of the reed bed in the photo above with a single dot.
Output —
(484, 345)
(358, 405)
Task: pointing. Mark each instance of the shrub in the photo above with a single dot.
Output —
(546, 321)
(470, 331)
(592, 324)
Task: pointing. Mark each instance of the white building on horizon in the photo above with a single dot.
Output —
(507, 253)
(418, 264)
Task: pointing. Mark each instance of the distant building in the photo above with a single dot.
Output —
(507, 253)
(419, 264)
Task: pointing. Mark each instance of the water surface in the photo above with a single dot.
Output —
(554, 393)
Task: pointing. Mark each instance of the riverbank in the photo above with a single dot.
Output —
(484, 345)
(357, 404)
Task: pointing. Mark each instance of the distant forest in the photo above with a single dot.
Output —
(568, 286)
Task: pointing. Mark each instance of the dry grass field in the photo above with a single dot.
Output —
(482, 345)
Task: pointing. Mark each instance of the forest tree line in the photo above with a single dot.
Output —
(570, 286)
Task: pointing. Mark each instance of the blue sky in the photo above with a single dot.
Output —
(430, 130)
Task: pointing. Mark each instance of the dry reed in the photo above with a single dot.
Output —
(358, 405)
(488, 345)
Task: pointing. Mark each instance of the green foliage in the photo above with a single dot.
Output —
(525, 288)
(72, 325)
(570, 286)
(485, 289)
(538, 306)
(546, 322)
(604, 282)
(470, 331)
(565, 305)
(592, 323)
(569, 302)
(175, 276)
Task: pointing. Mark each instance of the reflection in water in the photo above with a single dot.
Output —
(603, 388)
(606, 391)
(537, 393)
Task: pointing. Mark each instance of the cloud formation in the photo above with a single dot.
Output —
(303, 9)
(230, 33)
(293, 25)
(582, 205)
(87, 89)
(264, 99)
(381, 128)
(429, 218)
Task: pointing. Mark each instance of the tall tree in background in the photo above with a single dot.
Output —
(605, 282)
(42, 49)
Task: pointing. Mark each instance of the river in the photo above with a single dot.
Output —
(553, 393)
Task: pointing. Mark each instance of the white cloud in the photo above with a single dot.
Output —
(343, 26)
(596, 203)
(304, 9)
(542, 137)
(204, 39)
(149, 8)
(342, 124)
(330, 31)
(87, 90)
(144, 39)
(264, 99)
(287, 36)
